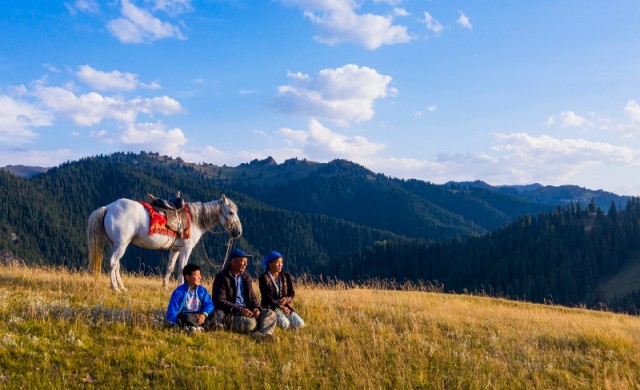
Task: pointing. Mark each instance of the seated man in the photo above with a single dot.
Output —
(190, 303)
(236, 303)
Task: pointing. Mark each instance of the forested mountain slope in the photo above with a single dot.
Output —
(43, 220)
(566, 256)
(349, 191)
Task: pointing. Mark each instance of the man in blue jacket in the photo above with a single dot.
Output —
(190, 303)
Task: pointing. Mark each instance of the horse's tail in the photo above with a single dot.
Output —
(96, 239)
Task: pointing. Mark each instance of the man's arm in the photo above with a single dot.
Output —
(253, 302)
(221, 296)
(175, 304)
(207, 302)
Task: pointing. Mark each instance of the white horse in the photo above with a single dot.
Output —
(126, 221)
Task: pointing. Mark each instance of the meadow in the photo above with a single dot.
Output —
(62, 329)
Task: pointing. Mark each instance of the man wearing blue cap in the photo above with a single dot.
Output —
(236, 304)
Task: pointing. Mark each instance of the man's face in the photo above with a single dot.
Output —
(238, 264)
(193, 280)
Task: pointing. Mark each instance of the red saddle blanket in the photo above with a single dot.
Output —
(158, 222)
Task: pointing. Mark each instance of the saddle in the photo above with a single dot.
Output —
(174, 211)
(175, 203)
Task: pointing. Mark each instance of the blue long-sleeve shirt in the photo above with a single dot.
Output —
(178, 302)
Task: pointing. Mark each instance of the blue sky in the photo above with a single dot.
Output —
(508, 92)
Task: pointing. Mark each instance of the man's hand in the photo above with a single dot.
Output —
(256, 312)
(246, 312)
(285, 310)
(200, 318)
(283, 301)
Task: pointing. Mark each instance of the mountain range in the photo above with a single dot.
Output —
(338, 219)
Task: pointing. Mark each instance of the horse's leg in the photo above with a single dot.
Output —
(184, 257)
(118, 252)
(170, 265)
(119, 276)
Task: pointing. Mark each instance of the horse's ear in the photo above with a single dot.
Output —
(224, 199)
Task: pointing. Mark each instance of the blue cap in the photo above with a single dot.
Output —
(270, 257)
(237, 252)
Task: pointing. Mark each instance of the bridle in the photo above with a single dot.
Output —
(230, 224)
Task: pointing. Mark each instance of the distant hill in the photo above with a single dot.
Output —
(551, 195)
(352, 192)
(24, 171)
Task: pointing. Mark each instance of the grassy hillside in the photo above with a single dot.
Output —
(60, 329)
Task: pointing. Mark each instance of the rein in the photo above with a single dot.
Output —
(229, 243)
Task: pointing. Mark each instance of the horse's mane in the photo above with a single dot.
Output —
(205, 215)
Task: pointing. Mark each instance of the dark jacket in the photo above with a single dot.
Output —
(270, 297)
(224, 292)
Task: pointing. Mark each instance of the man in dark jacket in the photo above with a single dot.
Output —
(236, 304)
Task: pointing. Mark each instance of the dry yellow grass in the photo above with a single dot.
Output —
(60, 329)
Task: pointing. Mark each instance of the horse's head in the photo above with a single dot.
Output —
(229, 217)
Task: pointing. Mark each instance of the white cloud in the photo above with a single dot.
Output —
(631, 129)
(401, 12)
(633, 110)
(245, 92)
(151, 85)
(91, 108)
(51, 68)
(84, 6)
(40, 158)
(432, 24)
(571, 119)
(114, 80)
(153, 136)
(19, 90)
(340, 23)
(292, 137)
(173, 7)
(320, 143)
(18, 118)
(342, 95)
(390, 2)
(418, 114)
(105, 81)
(147, 136)
(139, 26)
(546, 150)
(463, 20)
(517, 158)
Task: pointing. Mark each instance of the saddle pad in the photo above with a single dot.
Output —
(158, 222)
